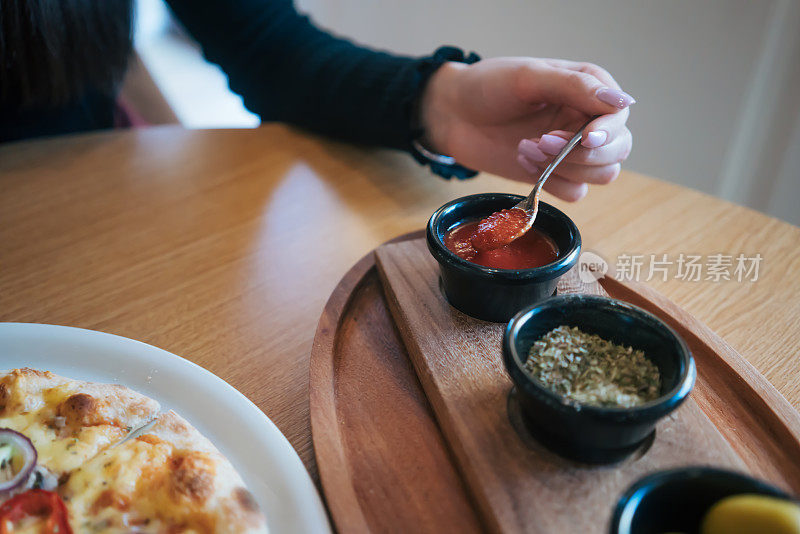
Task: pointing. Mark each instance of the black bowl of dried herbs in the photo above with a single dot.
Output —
(594, 374)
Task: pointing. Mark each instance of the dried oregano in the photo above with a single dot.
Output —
(590, 370)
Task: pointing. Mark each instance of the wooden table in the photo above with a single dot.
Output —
(223, 246)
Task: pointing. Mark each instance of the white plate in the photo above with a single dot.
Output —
(261, 454)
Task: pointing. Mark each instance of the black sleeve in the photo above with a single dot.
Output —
(288, 70)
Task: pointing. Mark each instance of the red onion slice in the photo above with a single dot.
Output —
(21, 447)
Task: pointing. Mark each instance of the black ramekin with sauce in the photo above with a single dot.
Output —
(497, 294)
(586, 433)
(677, 500)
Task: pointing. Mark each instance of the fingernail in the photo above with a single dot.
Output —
(551, 144)
(615, 97)
(594, 139)
(527, 164)
(531, 150)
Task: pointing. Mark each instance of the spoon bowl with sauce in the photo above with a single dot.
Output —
(495, 284)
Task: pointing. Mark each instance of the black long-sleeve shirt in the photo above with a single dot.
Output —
(285, 68)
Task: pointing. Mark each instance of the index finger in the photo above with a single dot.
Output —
(609, 126)
(589, 68)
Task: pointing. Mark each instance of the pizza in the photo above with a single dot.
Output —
(81, 457)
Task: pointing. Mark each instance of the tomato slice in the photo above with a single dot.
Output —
(35, 503)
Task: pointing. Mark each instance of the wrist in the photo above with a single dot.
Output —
(437, 107)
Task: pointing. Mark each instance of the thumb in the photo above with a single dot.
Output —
(578, 90)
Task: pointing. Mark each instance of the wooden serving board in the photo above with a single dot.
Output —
(441, 453)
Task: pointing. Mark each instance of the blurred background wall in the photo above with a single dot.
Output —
(717, 81)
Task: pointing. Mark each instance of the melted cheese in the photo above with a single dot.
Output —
(17, 422)
(29, 525)
(167, 481)
(61, 450)
(127, 487)
(148, 484)
(67, 425)
(117, 472)
(22, 394)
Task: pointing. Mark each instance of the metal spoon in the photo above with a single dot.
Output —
(531, 203)
(503, 227)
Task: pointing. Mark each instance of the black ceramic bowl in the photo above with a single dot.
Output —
(677, 500)
(586, 433)
(497, 294)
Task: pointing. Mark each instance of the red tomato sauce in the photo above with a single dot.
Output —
(533, 249)
(499, 229)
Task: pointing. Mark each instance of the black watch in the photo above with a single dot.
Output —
(444, 166)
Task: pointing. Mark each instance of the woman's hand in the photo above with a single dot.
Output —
(509, 116)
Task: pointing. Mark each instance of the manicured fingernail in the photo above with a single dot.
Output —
(531, 150)
(527, 164)
(551, 144)
(615, 97)
(594, 139)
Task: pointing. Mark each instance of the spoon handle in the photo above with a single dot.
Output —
(530, 201)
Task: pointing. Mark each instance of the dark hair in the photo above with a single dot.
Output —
(53, 51)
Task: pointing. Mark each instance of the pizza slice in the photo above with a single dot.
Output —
(68, 421)
(170, 479)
